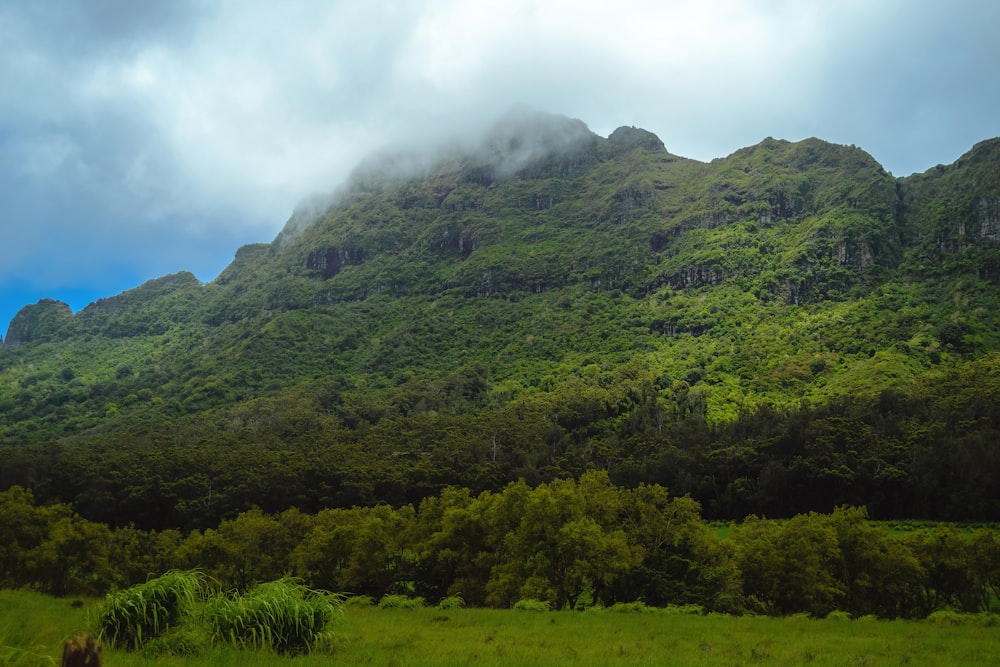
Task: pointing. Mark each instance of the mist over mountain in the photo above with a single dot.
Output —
(787, 328)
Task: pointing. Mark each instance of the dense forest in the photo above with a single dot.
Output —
(786, 330)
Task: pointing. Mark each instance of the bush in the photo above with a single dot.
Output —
(684, 610)
(451, 602)
(631, 607)
(182, 641)
(400, 602)
(359, 601)
(987, 619)
(838, 616)
(281, 615)
(531, 605)
(948, 618)
(129, 618)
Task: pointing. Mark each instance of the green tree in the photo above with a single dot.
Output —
(949, 579)
(558, 549)
(683, 563)
(73, 559)
(247, 550)
(879, 574)
(452, 539)
(360, 550)
(790, 567)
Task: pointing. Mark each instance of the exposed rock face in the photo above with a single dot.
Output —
(47, 320)
(988, 211)
(328, 260)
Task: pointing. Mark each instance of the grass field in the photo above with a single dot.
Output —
(33, 627)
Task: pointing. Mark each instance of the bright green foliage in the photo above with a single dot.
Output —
(251, 548)
(361, 551)
(282, 615)
(400, 602)
(53, 548)
(559, 548)
(451, 602)
(530, 604)
(132, 617)
(781, 331)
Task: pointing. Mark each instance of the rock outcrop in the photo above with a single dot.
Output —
(47, 320)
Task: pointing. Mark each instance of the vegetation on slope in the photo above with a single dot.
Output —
(782, 330)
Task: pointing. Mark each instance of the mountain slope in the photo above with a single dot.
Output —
(539, 303)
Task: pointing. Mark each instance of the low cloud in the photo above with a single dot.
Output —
(126, 123)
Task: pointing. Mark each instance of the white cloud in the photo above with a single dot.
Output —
(208, 122)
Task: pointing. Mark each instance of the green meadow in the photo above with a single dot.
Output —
(33, 627)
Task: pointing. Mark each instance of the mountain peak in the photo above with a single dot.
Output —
(626, 138)
(44, 321)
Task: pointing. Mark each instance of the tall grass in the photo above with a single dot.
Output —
(131, 617)
(33, 627)
(281, 615)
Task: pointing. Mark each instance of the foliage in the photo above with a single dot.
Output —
(451, 602)
(480, 380)
(530, 604)
(781, 331)
(359, 601)
(630, 607)
(400, 602)
(497, 548)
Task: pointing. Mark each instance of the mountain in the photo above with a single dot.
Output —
(784, 329)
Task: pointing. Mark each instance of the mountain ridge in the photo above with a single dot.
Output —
(508, 312)
(622, 139)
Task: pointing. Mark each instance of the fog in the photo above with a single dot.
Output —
(143, 139)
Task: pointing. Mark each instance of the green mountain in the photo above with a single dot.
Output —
(784, 329)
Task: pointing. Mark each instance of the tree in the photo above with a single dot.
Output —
(452, 538)
(949, 582)
(360, 550)
(73, 559)
(683, 561)
(247, 550)
(558, 549)
(879, 574)
(790, 567)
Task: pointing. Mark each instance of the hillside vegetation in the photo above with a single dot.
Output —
(786, 329)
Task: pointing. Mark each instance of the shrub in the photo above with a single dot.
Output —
(531, 605)
(631, 607)
(684, 610)
(183, 641)
(129, 618)
(988, 619)
(451, 602)
(359, 601)
(836, 615)
(281, 615)
(400, 602)
(947, 618)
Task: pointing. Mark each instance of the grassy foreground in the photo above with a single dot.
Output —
(33, 627)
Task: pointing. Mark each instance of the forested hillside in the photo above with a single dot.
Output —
(786, 329)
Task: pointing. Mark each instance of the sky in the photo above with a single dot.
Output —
(139, 139)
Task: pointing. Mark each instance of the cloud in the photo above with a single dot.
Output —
(161, 135)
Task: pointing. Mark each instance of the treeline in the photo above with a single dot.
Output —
(930, 452)
(568, 542)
